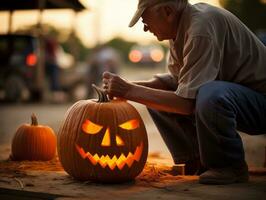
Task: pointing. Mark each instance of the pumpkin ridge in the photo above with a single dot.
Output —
(62, 132)
(75, 137)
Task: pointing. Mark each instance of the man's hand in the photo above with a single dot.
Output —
(115, 86)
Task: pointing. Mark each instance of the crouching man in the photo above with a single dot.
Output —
(216, 85)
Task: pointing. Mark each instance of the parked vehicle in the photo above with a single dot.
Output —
(22, 71)
(146, 54)
(19, 67)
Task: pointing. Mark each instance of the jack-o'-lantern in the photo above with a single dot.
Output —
(33, 142)
(103, 140)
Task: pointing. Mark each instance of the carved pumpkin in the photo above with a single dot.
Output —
(33, 142)
(103, 140)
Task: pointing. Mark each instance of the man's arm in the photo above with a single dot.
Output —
(161, 100)
(152, 83)
(159, 81)
(157, 99)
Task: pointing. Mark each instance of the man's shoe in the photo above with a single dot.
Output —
(227, 175)
(194, 167)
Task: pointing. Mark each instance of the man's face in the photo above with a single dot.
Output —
(158, 24)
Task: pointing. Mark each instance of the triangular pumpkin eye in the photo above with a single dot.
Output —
(130, 125)
(119, 141)
(90, 127)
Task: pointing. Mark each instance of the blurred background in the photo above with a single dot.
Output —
(51, 51)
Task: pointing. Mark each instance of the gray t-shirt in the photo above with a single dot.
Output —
(213, 44)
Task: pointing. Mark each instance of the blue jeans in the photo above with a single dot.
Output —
(211, 134)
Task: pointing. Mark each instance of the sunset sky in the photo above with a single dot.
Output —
(104, 20)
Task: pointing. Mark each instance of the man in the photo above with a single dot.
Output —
(215, 86)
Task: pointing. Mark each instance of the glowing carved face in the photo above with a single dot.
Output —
(119, 161)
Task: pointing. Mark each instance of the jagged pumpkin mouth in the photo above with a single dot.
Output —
(115, 161)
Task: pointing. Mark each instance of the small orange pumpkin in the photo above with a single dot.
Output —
(103, 140)
(33, 142)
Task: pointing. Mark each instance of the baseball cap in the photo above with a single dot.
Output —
(142, 5)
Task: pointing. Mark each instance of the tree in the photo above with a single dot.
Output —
(251, 12)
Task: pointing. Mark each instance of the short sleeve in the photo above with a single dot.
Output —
(201, 59)
(168, 80)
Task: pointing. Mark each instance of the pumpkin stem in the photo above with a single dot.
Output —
(102, 97)
(34, 121)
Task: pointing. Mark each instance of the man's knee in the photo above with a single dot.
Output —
(211, 97)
